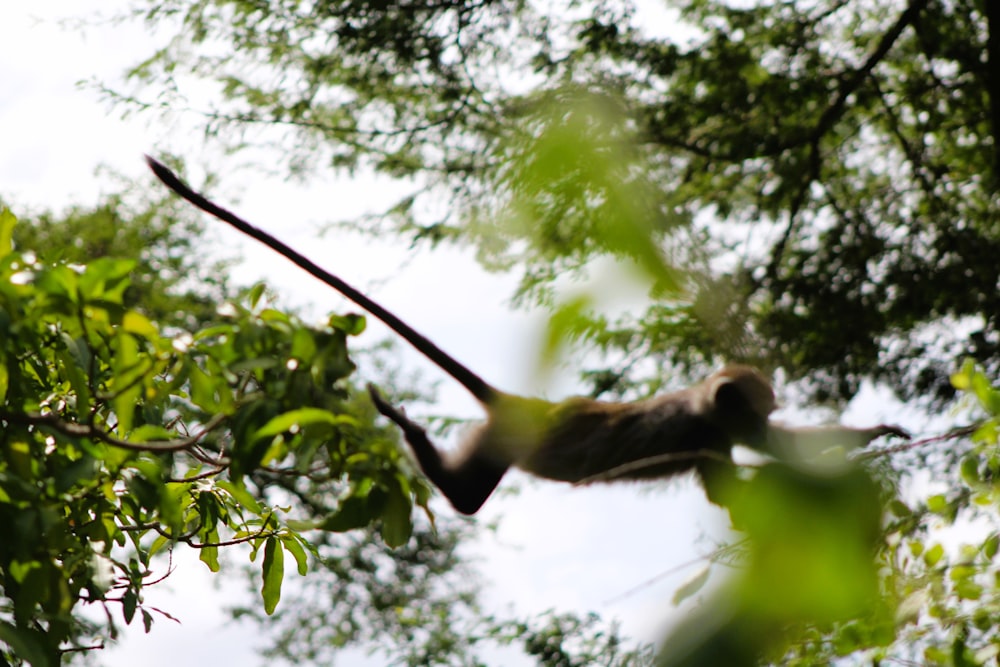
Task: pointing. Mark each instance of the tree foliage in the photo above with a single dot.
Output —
(851, 143)
(123, 437)
(174, 282)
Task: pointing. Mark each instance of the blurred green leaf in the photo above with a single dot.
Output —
(397, 525)
(209, 555)
(7, 222)
(354, 512)
(692, 585)
(934, 555)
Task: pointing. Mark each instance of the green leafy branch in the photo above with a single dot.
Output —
(120, 440)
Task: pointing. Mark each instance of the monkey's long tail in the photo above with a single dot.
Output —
(479, 388)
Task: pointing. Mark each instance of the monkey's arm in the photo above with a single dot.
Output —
(811, 441)
(467, 485)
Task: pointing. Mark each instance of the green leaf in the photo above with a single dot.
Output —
(354, 512)
(209, 556)
(273, 572)
(75, 472)
(126, 385)
(352, 324)
(209, 392)
(106, 278)
(397, 525)
(295, 419)
(255, 294)
(899, 508)
(7, 222)
(74, 373)
(934, 555)
(150, 432)
(272, 316)
(157, 544)
(564, 327)
(937, 503)
(140, 325)
(294, 546)
(970, 470)
(991, 545)
(130, 601)
(240, 495)
(173, 500)
(692, 585)
(59, 281)
(967, 589)
(303, 346)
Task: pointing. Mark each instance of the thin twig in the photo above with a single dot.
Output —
(959, 432)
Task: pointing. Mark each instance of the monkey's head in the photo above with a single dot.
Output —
(742, 399)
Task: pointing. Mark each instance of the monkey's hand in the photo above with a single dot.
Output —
(890, 429)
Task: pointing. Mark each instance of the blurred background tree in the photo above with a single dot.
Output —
(833, 165)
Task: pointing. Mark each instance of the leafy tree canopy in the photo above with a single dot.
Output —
(123, 436)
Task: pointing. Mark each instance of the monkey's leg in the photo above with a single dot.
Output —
(466, 486)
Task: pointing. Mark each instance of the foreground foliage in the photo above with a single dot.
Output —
(121, 440)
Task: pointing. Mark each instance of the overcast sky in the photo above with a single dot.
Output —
(557, 548)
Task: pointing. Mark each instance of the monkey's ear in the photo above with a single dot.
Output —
(741, 409)
(741, 391)
(729, 398)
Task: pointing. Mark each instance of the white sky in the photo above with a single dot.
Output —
(557, 548)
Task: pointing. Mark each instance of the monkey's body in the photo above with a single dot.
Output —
(577, 440)
(589, 439)
(582, 440)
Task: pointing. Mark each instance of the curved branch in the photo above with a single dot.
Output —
(993, 80)
(76, 430)
(852, 83)
(959, 432)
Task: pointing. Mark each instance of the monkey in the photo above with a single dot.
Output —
(581, 440)
(577, 440)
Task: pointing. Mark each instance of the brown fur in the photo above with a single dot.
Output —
(580, 440)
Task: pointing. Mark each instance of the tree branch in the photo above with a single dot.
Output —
(76, 430)
(993, 80)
